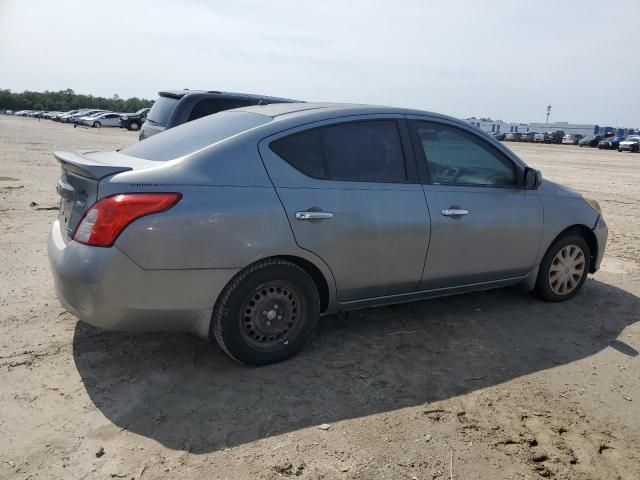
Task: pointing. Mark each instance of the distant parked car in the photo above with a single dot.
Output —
(175, 107)
(98, 120)
(540, 137)
(527, 137)
(64, 118)
(82, 120)
(134, 121)
(590, 141)
(87, 113)
(500, 136)
(630, 144)
(610, 143)
(555, 137)
(571, 139)
(8, 112)
(58, 115)
(512, 137)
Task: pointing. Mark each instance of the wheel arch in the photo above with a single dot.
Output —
(316, 274)
(589, 237)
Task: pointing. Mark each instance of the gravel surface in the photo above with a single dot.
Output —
(492, 385)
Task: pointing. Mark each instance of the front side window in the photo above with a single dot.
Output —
(456, 157)
(367, 151)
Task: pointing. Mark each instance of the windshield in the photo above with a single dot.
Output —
(192, 136)
(161, 110)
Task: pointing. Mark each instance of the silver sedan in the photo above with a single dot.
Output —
(107, 119)
(246, 225)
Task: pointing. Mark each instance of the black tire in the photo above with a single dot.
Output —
(543, 288)
(135, 126)
(242, 325)
(97, 124)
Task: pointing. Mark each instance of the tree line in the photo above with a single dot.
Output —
(65, 100)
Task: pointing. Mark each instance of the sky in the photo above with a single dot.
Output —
(501, 59)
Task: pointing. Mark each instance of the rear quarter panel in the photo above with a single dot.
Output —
(229, 216)
(211, 227)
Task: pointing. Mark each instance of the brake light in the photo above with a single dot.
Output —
(108, 217)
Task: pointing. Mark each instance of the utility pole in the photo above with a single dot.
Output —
(548, 113)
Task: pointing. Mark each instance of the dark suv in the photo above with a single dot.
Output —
(175, 107)
(133, 121)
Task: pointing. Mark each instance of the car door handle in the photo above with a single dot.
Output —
(313, 215)
(454, 212)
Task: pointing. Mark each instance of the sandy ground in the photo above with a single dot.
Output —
(493, 385)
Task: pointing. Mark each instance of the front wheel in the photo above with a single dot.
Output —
(267, 313)
(564, 269)
(97, 124)
(135, 126)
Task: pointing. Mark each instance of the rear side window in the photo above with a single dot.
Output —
(369, 151)
(304, 152)
(211, 106)
(161, 110)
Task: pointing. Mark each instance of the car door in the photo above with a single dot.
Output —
(350, 192)
(107, 119)
(485, 226)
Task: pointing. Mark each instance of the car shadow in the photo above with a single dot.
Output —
(186, 394)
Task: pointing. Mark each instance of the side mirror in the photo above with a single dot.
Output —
(532, 178)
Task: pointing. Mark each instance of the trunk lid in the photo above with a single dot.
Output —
(80, 179)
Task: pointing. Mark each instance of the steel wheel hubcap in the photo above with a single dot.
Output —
(270, 316)
(566, 270)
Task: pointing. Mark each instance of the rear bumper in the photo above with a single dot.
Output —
(601, 232)
(105, 288)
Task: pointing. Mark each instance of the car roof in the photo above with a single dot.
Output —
(279, 111)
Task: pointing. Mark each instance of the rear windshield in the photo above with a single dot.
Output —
(161, 110)
(190, 137)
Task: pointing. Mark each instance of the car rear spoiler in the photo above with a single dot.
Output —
(77, 162)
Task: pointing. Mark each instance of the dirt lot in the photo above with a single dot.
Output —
(492, 385)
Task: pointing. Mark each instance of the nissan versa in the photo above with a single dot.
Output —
(248, 224)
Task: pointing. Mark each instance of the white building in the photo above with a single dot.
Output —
(566, 127)
(496, 126)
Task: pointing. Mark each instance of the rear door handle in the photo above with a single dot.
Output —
(313, 215)
(454, 212)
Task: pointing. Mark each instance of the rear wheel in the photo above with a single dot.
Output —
(267, 313)
(564, 269)
(97, 124)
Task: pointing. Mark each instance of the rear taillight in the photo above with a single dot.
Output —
(108, 217)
